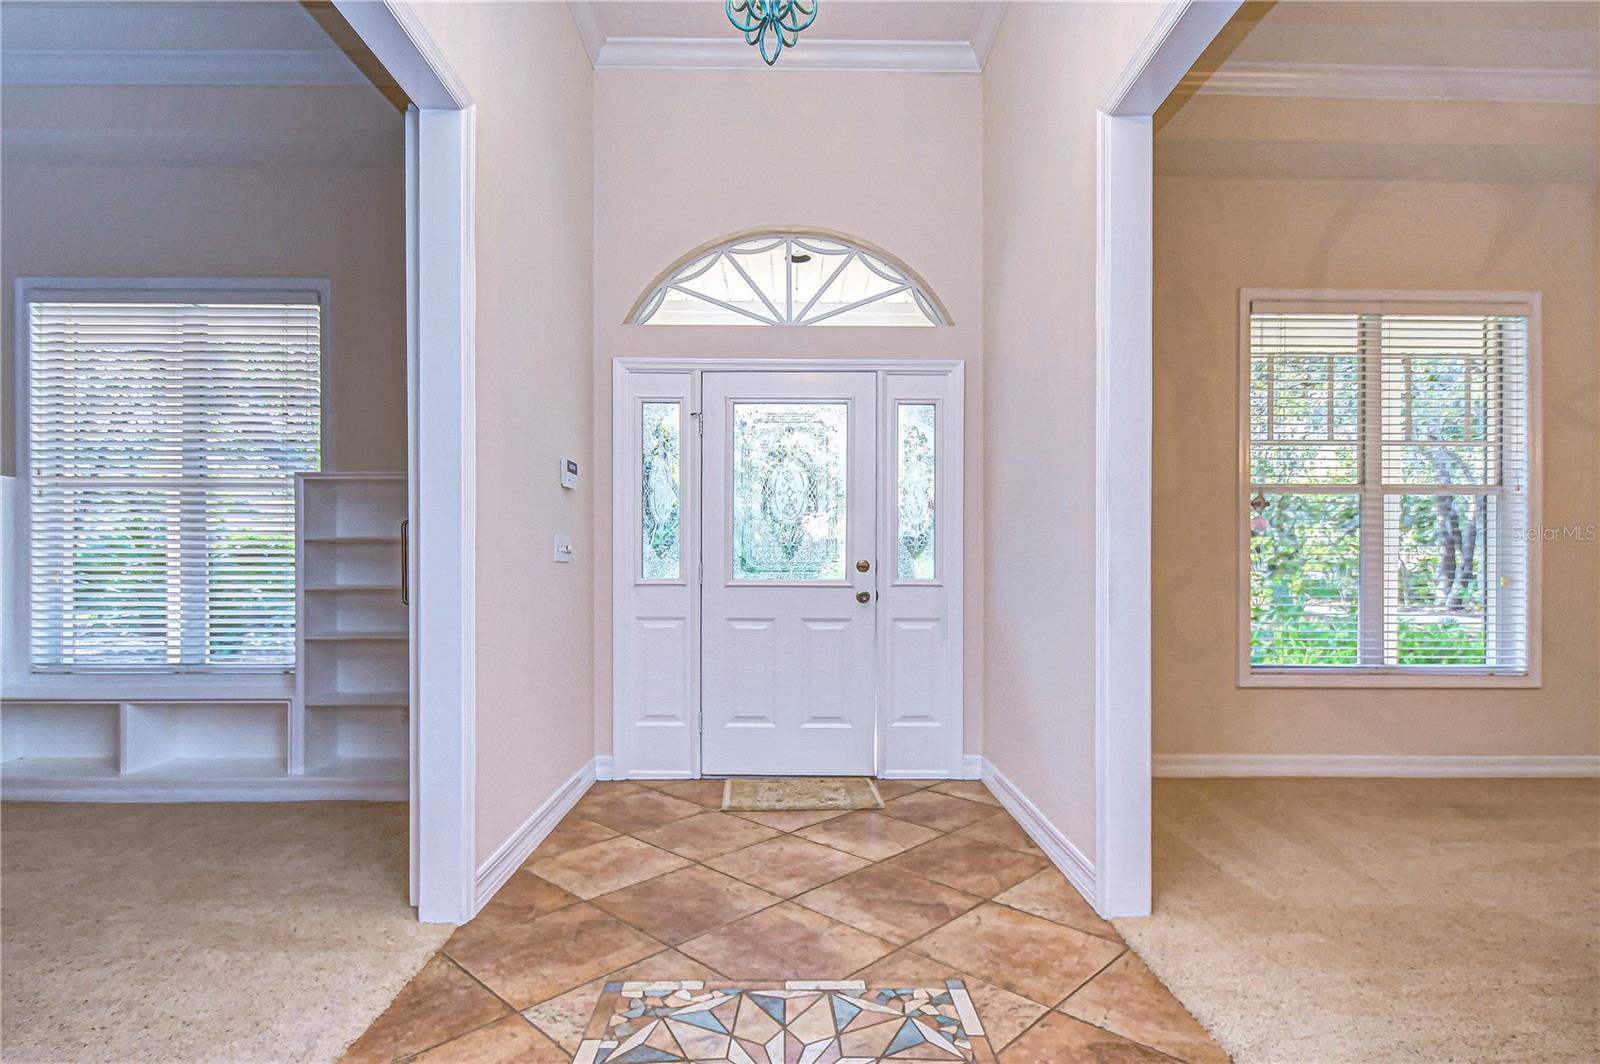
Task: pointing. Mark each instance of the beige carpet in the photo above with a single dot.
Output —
(1380, 920)
(219, 932)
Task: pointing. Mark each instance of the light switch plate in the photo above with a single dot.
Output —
(563, 548)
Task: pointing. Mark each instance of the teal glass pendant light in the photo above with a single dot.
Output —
(771, 25)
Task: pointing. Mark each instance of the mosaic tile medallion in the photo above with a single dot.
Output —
(794, 1022)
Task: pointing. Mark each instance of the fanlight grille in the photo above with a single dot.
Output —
(789, 279)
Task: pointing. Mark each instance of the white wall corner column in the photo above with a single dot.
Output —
(441, 304)
(1123, 456)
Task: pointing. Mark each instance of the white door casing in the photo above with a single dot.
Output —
(913, 666)
(788, 598)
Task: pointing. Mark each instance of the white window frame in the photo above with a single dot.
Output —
(21, 679)
(1390, 301)
(932, 307)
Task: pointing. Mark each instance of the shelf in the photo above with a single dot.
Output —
(369, 540)
(54, 768)
(375, 636)
(210, 769)
(360, 768)
(359, 698)
(80, 779)
(393, 589)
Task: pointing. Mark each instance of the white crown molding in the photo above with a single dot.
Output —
(731, 53)
(1376, 765)
(988, 31)
(1391, 82)
(179, 66)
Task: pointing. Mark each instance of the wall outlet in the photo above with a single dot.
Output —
(564, 548)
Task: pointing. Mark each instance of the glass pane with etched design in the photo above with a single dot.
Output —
(660, 480)
(789, 490)
(916, 476)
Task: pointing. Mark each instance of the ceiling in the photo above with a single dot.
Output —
(194, 83)
(1443, 91)
(182, 42)
(1527, 51)
(895, 35)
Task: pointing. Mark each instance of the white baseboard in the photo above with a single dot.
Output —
(604, 767)
(1078, 869)
(972, 767)
(1374, 765)
(494, 872)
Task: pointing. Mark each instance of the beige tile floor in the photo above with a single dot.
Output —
(654, 882)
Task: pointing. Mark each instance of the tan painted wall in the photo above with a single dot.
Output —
(1044, 80)
(531, 82)
(683, 157)
(212, 181)
(1431, 196)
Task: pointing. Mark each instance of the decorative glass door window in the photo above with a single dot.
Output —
(661, 478)
(916, 475)
(789, 490)
(1388, 455)
(789, 279)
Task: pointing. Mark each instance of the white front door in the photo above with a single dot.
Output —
(789, 602)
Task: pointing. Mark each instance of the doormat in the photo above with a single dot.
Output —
(800, 793)
(783, 1023)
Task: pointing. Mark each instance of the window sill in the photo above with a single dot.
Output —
(137, 686)
(1379, 678)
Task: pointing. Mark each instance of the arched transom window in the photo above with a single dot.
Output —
(789, 277)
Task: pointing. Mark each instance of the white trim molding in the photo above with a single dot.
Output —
(1353, 81)
(1124, 271)
(1413, 766)
(510, 855)
(904, 56)
(731, 53)
(441, 354)
(1071, 861)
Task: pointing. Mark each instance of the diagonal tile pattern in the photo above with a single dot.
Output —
(649, 882)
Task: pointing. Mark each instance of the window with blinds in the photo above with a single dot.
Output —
(162, 439)
(1387, 452)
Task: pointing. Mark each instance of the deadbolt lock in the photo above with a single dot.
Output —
(863, 596)
(863, 565)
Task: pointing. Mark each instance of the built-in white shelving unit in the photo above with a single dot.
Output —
(338, 728)
(351, 705)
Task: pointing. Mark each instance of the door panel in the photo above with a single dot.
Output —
(789, 685)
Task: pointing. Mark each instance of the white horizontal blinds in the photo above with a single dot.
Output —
(163, 439)
(1455, 446)
(1388, 486)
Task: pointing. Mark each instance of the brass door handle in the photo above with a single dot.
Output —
(863, 597)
